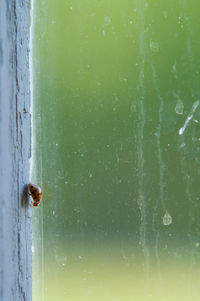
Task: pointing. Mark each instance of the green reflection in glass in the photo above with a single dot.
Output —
(116, 150)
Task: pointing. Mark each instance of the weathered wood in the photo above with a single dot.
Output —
(15, 126)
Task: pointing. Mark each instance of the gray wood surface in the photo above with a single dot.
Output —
(15, 151)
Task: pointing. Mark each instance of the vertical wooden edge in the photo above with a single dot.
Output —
(15, 152)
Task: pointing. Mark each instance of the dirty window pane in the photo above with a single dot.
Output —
(116, 144)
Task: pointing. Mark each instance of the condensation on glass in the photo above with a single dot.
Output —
(116, 133)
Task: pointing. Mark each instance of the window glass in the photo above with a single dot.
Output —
(116, 144)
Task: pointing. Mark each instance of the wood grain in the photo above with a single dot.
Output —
(15, 151)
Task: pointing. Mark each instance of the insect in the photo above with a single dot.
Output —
(36, 193)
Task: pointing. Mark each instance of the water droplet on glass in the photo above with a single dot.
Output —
(181, 131)
(154, 46)
(157, 134)
(167, 219)
(107, 20)
(61, 260)
(174, 67)
(179, 107)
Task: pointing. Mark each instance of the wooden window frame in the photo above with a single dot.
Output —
(15, 152)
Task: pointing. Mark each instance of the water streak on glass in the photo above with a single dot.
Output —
(116, 144)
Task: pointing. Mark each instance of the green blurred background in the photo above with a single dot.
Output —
(116, 144)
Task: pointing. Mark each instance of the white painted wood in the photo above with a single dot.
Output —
(15, 146)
